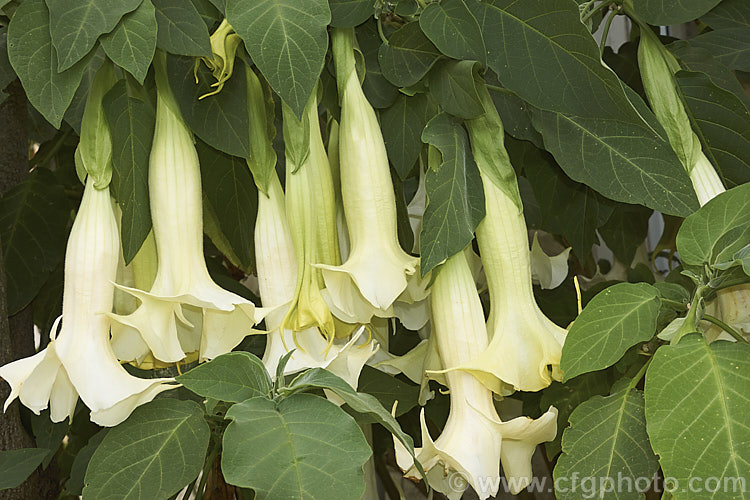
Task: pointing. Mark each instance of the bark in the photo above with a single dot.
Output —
(17, 332)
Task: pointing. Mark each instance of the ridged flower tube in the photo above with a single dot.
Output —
(377, 269)
(79, 360)
(474, 441)
(525, 346)
(311, 208)
(185, 310)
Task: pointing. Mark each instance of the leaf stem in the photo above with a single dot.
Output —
(590, 14)
(605, 34)
(207, 469)
(380, 31)
(640, 374)
(731, 331)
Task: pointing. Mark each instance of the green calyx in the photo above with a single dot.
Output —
(262, 159)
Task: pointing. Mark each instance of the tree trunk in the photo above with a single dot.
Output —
(17, 332)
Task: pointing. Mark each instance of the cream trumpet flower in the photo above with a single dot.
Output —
(218, 319)
(525, 346)
(474, 440)
(79, 359)
(277, 279)
(311, 209)
(377, 270)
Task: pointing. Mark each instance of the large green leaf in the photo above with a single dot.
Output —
(541, 51)
(451, 26)
(287, 40)
(34, 59)
(76, 24)
(731, 46)
(455, 197)
(605, 444)
(379, 91)
(131, 124)
(718, 230)
(17, 465)
(132, 43)
(672, 11)
(402, 125)
(220, 120)
(696, 412)
(229, 187)
(453, 85)
(33, 229)
(181, 29)
(303, 447)
(153, 454)
(231, 377)
(350, 13)
(624, 161)
(723, 122)
(407, 56)
(614, 320)
(729, 14)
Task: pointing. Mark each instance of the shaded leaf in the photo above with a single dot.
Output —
(672, 11)
(454, 88)
(287, 40)
(728, 14)
(408, 56)
(626, 230)
(730, 46)
(153, 454)
(402, 125)
(388, 389)
(455, 197)
(131, 124)
(231, 377)
(616, 319)
(379, 91)
(302, 437)
(17, 465)
(132, 43)
(454, 30)
(34, 59)
(181, 29)
(350, 13)
(33, 229)
(74, 113)
(74, 484)
(76, 24)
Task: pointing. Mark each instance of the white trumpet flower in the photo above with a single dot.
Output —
(474, 440)
(79, 359)
(182, 279)
(377, 270)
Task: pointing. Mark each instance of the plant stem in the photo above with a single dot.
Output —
(207, 469)
(605, 34)
(731, 331)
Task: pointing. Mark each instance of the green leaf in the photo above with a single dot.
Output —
(76, 24)
(231, 377)
(287, 40)
(153, 454)
(723, 122)
(730, 46)
(515, 114)
(614, 320)
(720, 228)
(74, 484)
(74, 114)
(34, 59)
(132, 43)
(623, 161)
(408, 56)
(181, 29)
(229, 187)
(402, 125)
(453, 85)
(48, 435)
(388, 390)
(668, 12)
(17, 465)
(305, 447)
(454, 30)
(696, 412)
(455, 197)
(606, 441)
(626, 230)
(549, 58)
(357, 401)
(741, 258)
(728, 14)
(131, 124)
(220, 120)
(33, 229)
(379, 91)
(566, 398)
(350, 13)
(7, 74)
